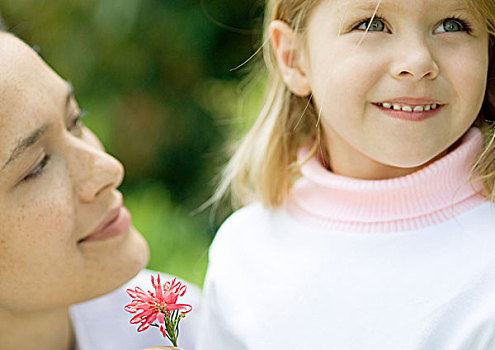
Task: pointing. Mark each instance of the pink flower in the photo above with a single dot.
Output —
(160, 305)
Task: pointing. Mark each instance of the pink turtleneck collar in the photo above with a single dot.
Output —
(426, 197)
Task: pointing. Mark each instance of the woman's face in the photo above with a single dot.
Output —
(57, 187)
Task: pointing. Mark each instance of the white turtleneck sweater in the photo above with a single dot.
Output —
(403, 263)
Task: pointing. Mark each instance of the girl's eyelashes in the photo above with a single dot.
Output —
(372, 24)
(76, 124)
(452, 24)
(38, 169)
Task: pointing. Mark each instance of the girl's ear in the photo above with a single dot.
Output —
(283, 40)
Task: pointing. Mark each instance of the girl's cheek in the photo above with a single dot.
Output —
(351, 78)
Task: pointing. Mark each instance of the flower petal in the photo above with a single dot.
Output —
(151, 318)
(132, 293)
(144, 326)
(170, 297)
(164, 332)
(136, 319)
(184, 308)
(161, 318)
(182, 290)
(158, 288)
(130, 308)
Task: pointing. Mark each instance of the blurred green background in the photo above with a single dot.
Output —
(156, 79)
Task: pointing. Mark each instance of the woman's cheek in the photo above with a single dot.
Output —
(42, 210)
(36, 248)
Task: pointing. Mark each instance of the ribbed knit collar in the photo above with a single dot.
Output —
(426, 197)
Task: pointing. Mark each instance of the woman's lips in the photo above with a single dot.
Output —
(116, 223)
(410, 116)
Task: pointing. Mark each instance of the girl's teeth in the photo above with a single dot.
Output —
(406, 108)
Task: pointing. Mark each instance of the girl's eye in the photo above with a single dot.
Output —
(375, 25)
(38, 169)
(453, 25)
(77, 124)
(449, 25)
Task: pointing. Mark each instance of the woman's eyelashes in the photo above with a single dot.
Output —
(76, 124)
(448, 25)
(38, 169)
(75, 127)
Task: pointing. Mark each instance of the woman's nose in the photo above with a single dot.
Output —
(414, 60)
(93, 171)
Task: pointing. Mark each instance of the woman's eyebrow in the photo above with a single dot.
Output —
(27, 142)
(33, 137)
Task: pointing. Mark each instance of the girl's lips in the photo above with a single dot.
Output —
(410, 116)
(117, 223)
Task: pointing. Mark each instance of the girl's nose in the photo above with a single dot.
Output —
(414, 60)
(93, 170)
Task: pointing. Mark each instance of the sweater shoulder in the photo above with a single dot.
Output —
(241, 228)
(249, 215)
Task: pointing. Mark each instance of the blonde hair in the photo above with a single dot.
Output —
(265, 164)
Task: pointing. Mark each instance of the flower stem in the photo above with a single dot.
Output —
(170, 329)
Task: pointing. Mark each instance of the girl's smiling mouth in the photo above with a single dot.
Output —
(410, 109)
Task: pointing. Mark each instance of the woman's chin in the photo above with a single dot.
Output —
(107, 271)
(140, 253)
(135, 256)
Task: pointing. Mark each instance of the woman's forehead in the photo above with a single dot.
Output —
(31, 93)
(22, 70)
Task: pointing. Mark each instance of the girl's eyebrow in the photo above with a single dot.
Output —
(364, 5)
(384, 4)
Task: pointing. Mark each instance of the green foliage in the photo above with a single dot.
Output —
(178, 241)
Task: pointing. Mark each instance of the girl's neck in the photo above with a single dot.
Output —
(351, 163)
(429, 196)
(48, 329)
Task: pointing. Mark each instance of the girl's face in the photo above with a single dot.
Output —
(57, 185)
(416, 53)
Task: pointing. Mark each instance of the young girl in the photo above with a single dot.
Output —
(367, 184)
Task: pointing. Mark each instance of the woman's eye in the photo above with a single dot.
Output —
(77, 124)
(38, 169)
(373, 25)
(453, 25)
